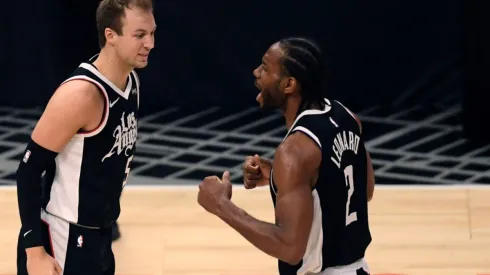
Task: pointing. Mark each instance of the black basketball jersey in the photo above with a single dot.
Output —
(340, 232)
(84, 184)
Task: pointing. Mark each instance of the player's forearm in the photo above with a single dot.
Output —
(28, 175)
(265, 236)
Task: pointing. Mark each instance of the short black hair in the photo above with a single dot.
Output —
(303, 60)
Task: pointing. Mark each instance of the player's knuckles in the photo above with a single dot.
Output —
(252, 176)
(245, 168)
(251, 168)
(249, 183)
(208, 181)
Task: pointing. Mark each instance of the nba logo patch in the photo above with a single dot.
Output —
(80, 241)
(26, 156)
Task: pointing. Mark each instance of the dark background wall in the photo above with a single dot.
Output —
(379, 52)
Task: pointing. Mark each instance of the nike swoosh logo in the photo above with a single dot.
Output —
(25, 234)
(111, 104)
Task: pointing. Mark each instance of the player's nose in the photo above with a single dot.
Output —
(150, 43)
(256, 72)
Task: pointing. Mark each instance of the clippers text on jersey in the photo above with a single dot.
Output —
(125, 135)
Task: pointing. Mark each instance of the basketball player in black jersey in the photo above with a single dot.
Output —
(321, 178)
(79, 156)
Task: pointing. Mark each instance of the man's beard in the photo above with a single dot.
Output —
(269, 102)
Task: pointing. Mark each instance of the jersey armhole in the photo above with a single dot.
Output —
(308, 133)
(105, 113)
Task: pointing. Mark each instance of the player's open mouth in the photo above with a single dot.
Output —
(259, 96)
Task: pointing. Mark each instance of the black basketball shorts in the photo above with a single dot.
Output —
(78, 250)
(360, 267)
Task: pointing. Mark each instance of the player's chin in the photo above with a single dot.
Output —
(260, 100)
(140, 64)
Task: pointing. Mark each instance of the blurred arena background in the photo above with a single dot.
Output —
(416, 72)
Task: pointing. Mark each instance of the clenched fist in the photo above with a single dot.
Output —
(256, 172)
(213, 190)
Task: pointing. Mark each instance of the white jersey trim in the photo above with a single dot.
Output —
(347, 269)
(124, 94)
(327, 108)
(310, 112)
(59, 232)
(271, 181)
(101, 126)
(313, 258)
(309, 133)
(353, 116)
(65, 190)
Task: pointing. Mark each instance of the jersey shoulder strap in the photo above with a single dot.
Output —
(137, 86)
(314, 123)
(345, 117)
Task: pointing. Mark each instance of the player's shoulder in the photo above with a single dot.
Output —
(298, 147)
(78, 94)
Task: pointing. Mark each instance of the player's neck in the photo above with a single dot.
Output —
(112, 68)
(290, 111)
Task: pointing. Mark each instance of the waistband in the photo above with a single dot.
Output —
(105, 227)
(361, 263)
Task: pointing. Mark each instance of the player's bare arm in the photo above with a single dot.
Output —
(295, 169)
(76, 105)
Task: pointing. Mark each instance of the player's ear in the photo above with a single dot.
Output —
(289, 85)
(110, 36)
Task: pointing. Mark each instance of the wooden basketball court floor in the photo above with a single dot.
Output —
(416, 231)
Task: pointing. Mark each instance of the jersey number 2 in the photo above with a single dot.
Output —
(349, 182)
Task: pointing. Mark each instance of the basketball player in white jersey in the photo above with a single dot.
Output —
(77, 161)
(320, 180)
